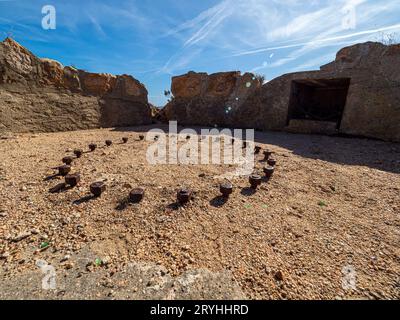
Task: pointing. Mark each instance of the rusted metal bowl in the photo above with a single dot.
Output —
(64, 170)
(67, 160)
(226, 189)
(109, 143)
(72, 179)
(78, 153)
(97, 188)
(267, 154)
(269, 171)
(92, 147)
(184, 195)
(136, 195)
(271, 162)
(255, 181)
(125, 139)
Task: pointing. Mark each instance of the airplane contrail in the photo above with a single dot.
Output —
(244, 53)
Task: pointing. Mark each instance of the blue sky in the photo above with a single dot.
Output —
(156, 39)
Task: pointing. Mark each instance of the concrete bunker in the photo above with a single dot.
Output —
(317, 104)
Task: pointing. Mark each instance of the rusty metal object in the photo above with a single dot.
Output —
(97, 188)
(184, 195)
(226, 189)
(125, 139)
(64, 170)
(255, 181)
(72, 179)
(67, 160)
(267, 154)
(136, 195)
(269, 171)
(92, 147)
(109, 143)
(271, 162)
(257, 149)
(78, 153)
(141, 137)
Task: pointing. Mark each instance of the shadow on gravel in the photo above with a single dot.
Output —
(84, 199)
(51, 177)
(174, 206)
(219, 201)
(122, 204)
(248, 192)
(344, 150)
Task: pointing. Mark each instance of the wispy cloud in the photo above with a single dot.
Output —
(159, 38)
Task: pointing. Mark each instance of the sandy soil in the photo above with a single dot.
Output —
(333, 204)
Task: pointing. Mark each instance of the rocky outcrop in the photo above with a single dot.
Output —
(202, 99)
(361, 87)
(41, 95)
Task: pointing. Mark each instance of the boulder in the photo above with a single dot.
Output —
(357, 94)
(41, 95)
(209, 100)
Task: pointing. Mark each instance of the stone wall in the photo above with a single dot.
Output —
(372, 106)
(41, 95)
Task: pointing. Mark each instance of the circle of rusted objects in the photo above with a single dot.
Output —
(255, 181)
(271, 162)
(67, 160)
(184, 196)
(269, 171)
(72, 179)
(136, 195)
(226, 189)
(97, 188)
(92, 147)
(64, 170)
(78, 153)
(267, 154)
(257, 149)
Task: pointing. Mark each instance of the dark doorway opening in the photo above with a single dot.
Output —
(318, 100)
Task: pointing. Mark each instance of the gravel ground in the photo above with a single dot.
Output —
(333, 205)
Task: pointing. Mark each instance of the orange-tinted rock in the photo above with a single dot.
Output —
(369, 77)
(97, 84)
(221, 84)
(189, 85)
(53, 72)
(201, 99)
(41, 95)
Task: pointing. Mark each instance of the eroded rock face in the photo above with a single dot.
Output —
(372, 107)
(41, 95)
(202, 99)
